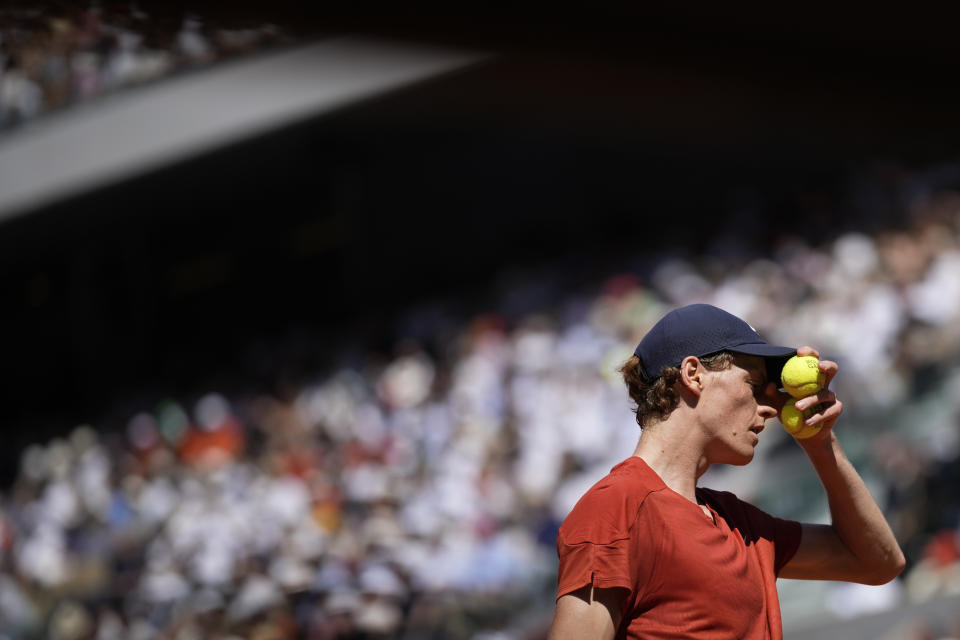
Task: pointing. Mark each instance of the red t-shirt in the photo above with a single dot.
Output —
(685, 575)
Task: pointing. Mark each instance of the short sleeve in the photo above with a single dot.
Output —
(603, 564)
(600, 542)
(786, 541)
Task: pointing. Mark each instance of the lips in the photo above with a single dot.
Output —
(757, 429)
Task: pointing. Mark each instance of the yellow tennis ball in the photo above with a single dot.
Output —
(792, 419)
(801, 376)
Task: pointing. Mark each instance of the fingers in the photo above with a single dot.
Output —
(825, 396)
(829, 369)
(828, 408)
(828, 416)
(807, 350)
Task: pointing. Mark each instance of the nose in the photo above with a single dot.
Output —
(766, 411)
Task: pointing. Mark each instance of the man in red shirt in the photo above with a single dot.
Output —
(646, 553)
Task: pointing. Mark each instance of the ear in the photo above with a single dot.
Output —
(692, 373)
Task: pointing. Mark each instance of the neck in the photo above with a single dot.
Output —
(674, 449)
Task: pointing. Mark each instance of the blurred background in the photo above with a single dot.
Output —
(311, 316)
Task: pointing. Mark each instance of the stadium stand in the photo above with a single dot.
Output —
(54, 55)
(413, 489)
(417, 493)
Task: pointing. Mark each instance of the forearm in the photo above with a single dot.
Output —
(856, 517)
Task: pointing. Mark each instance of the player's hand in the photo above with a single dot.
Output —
(828, 406)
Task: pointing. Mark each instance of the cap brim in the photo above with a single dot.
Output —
(775, 355)
(763, 349)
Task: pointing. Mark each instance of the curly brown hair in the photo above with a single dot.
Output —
(657, 398)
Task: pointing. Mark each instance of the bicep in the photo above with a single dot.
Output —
(588, 613)
(821, 555)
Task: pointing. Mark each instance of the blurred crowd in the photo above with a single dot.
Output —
(54, 54)
(417, 494)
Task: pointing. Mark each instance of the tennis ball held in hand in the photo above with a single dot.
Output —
(801, 376)
(792, 419)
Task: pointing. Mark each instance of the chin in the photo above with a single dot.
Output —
(741, 458)
(735, 454)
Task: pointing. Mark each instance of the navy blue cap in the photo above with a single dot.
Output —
(702, 330)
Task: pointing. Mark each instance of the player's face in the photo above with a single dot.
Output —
(736, 406)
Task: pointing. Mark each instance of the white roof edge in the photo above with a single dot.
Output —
(131, 133)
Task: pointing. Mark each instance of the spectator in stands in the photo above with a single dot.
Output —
(433, 482)
(51, 57)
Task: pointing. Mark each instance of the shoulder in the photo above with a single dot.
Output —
(720, 498)
(730, 505)
(607, 511)
(747, 517)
